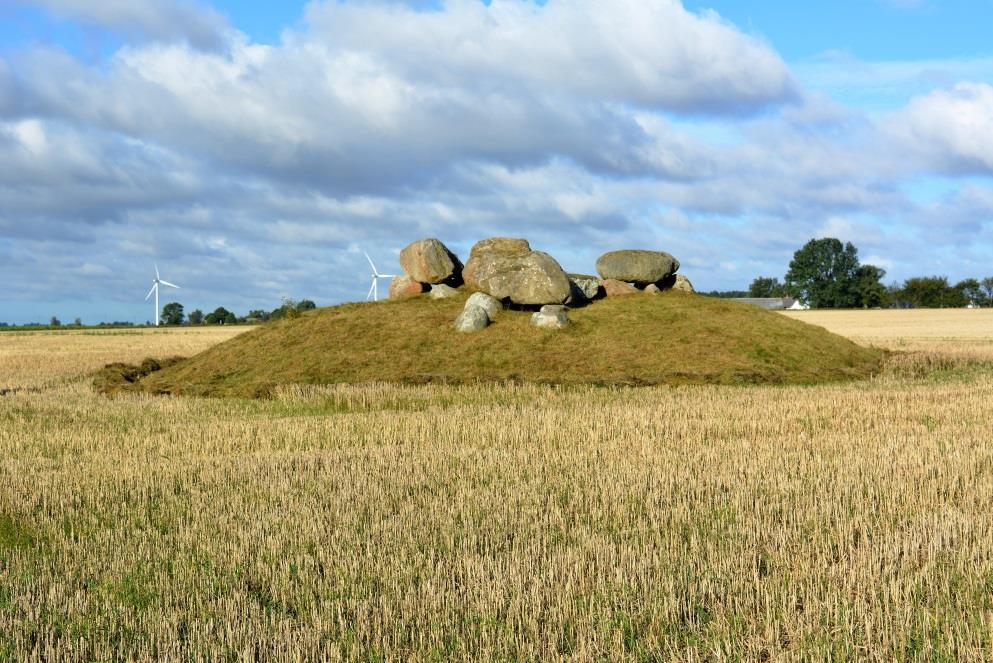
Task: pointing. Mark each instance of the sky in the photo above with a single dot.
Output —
(254, 150)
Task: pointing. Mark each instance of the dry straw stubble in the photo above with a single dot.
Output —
(495, 522)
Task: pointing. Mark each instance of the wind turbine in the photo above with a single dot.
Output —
(155, 288)
(374, 288)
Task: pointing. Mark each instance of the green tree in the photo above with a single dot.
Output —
(972, 291)
(824, 274)
(258, 314)
(766, 286)
(305, 305)
(987, 285)
(54, 322)
(871, 291)
(220, 316)
(195, 317)
(931, 292)
(172, 313)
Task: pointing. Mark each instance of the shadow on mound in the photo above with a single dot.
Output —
(117, 377)
(640, 339)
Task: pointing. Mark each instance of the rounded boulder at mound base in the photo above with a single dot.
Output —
(551, 316)
(443, 291)
(636, 266)
(472, 318)
(491, 305)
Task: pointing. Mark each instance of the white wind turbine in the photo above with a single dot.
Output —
(155, 288)
(374, 288)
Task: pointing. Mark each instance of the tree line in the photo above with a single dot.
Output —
(173, 313)
(826, 273)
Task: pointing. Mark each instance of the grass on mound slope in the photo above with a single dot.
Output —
(674, 338)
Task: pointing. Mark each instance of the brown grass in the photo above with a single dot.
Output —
(669, 339)
(494, 522)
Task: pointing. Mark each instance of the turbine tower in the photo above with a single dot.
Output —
(155, 289)
(374, 288)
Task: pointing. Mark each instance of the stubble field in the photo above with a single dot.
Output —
(845, 521)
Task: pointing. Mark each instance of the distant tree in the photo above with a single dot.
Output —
(54, 322)
(931, 292)
(824, 274)
(766, 286)
(195, 317)
(258, 314)
(305, 305)
(78, 322)
(869, 286)
(987, 285)
(972, 291)
(172, 313)
(220, 316)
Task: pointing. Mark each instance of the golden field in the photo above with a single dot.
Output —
(836, 522)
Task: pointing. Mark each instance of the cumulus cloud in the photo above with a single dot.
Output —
(649, 52)
(952, 129)
(164, 20)
(257, 171)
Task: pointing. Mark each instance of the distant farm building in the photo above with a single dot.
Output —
(772, 303)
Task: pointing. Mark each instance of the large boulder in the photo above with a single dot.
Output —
(615, 288)
(430, 261)
(634, 266)
(508, 269)
(551, 316)
(473, 318)
(402, 287)
(491, 305)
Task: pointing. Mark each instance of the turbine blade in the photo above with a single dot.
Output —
(369, 296)
(151, 291)
(370, 264)
(156, 271)
(171, 285)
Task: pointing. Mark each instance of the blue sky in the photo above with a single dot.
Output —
(254, 150)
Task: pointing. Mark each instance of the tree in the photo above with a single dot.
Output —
(78, 322)
(220, 316)
(987, 285)
(54, 322)
(931, 292)
(972, 291)
(766, 286)
(305, 305)
(172, 313)
(824, 274)
(871, 291)
(258, 314)
(195, 317)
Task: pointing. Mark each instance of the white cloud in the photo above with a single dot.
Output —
(582, 125)
(952, 129)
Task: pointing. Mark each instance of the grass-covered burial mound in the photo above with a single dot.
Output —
(672, 338)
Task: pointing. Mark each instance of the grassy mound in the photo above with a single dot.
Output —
(670, 339)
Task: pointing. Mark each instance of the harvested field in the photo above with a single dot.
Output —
(488, 522)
